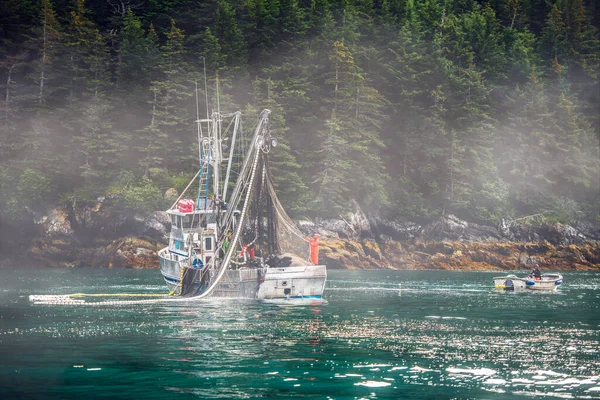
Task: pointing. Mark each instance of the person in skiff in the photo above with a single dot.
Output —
(536, 273)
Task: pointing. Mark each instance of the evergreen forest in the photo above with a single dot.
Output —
(410, 109)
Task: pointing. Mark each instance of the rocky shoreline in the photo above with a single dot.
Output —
(74, 236)
(452, 244)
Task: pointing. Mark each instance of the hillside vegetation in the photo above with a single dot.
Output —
(410, 108)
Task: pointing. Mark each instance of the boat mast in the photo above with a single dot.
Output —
(204, 144)
(231, 148)
(217, 144)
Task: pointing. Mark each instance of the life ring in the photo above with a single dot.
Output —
(197, 263)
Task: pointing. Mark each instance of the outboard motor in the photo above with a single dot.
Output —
(509, 285)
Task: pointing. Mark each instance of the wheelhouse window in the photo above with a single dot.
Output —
(196, 218)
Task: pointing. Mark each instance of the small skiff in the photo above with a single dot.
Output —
(512, 282)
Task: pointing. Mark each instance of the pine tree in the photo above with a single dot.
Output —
(333, 192)
(85, 58)
(211, 52)
(96, 143)
(291, 189)
(417, 133)
(10, 112)
(133, 70)
(291, 21)
(548, 148)
(356, 114)
(161, 142)
(231, 41)
(553, 40)
(45, 43)
(584, 57)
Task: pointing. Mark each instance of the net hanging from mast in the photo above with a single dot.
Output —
(289, 238)
(268, 232)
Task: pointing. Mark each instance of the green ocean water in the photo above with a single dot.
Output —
(379, 335)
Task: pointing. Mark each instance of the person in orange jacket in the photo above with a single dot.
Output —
(314, 249)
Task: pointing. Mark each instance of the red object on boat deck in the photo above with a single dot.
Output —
(249, 250)
(314, 249)
(185, 205)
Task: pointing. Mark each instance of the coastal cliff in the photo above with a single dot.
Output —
(452, 244)
(93, 236)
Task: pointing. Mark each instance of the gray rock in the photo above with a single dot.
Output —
(140, 251)
(395, 230)
(451, 228)
(559, 234)
(556, 233)
(308, 227)
(154, 228)
(324, 233)
(162, 217)
(591, 232)
(336, 225)
(385, 238)
(56, 222)
(358, 222)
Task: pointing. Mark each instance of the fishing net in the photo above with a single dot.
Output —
(266, 232)
(269, 232)
(290, 240)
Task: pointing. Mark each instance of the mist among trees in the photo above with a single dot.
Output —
(410, 108)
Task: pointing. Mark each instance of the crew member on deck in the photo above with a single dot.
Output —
(314, 249)
(537, 275)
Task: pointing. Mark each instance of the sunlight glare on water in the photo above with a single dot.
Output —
(379, 334)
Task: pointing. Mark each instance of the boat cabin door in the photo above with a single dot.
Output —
(208, 248)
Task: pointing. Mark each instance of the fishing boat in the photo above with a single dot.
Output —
(548, 282)
(239, 242)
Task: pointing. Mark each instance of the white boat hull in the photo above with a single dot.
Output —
(293, 282)
(547, 282)
(297, 282)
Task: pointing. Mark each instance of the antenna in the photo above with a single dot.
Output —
(198, 127)
(219, 133)
(218, 103)
(197, 107)
(205, 86)
(218, 142)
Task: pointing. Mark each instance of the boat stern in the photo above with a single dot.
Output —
(297, 282)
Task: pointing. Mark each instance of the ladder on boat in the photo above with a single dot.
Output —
(202, 202)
